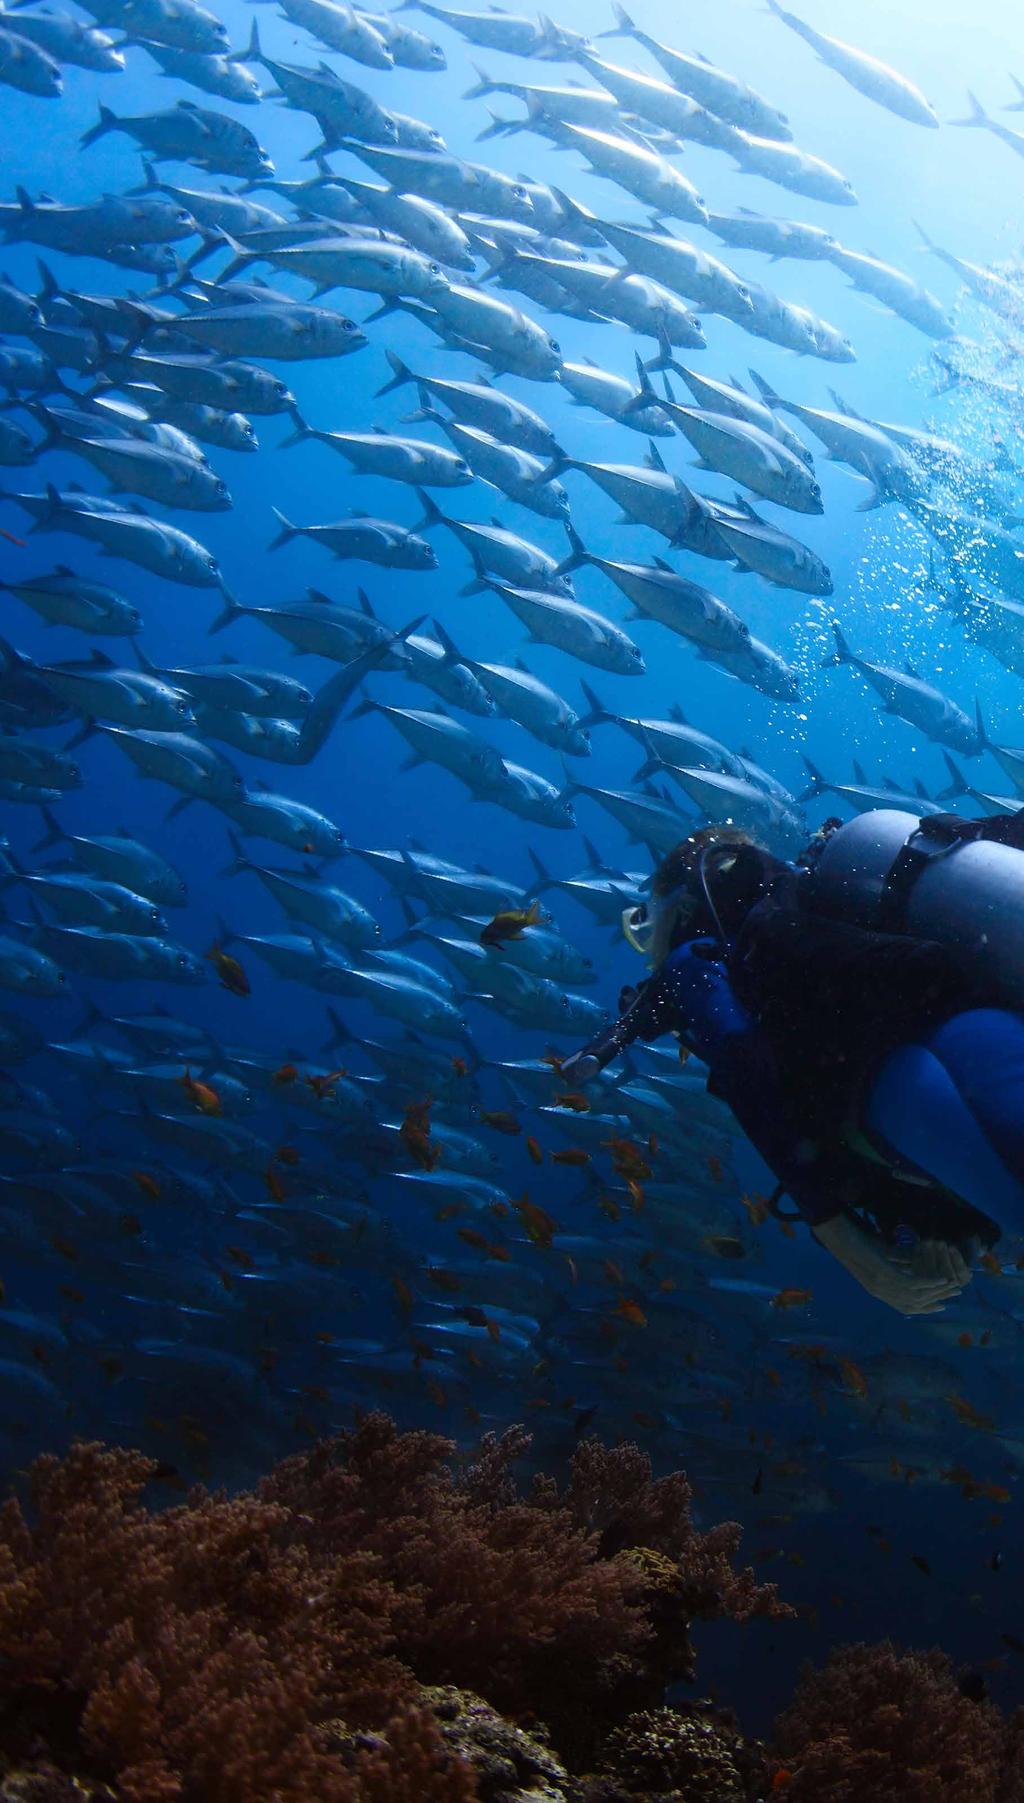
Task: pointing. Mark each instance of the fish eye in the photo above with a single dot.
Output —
(555, 346)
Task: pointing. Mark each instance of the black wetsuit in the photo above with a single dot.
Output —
(795, 1013)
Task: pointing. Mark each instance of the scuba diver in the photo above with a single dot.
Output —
(857, 1011)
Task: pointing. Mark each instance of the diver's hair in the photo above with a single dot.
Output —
(680, 871)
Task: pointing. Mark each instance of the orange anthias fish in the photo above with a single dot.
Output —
(970, 1416)
(323, 1087)
(510, 923)
(571, 1155)
(414, 1134)
(147, 1184)
(535, 1149)
(631, 1311)
(573, 1099)
(203, 1095)
(538, 1223)
(853, 1377)
(500, 1120)
(285, 1073)
(757, 1208)
(792, 1298)
(275, 1188)
(627, 1158)
(232, 976)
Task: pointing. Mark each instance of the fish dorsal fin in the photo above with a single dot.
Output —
(660, 564)
(366, 605)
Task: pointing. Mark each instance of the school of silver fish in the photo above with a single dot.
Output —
(387, 1215)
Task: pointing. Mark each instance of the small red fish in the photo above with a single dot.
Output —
(500, 1120)
(792, 1298)
(275, 1188)
(232, 976)
(323, 1086)
(203, 1095)
(510, 923)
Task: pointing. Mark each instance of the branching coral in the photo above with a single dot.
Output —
(877, 1723)
(234, 1650)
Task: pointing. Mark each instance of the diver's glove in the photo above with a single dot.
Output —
(919, 1282)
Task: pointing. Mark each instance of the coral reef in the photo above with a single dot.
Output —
(276, 1644)
(379, 1624)
(686, 1754)
(510, 1765)
(879, 1723)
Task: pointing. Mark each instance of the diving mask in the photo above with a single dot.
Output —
(645, 924)
(640, 924)
(638, 928)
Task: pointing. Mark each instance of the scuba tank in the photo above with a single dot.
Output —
(960, 882)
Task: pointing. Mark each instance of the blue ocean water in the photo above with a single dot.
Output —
(219, 1303)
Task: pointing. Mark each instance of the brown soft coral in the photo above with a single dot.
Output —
(877, 1723)
(273, 1644)
(540, 1602)
(201, 1646)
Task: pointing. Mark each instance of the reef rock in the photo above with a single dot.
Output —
(509, 1764)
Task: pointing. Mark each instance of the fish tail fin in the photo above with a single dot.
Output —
(50, 289)
(816, 786)
(1016, 106)
(239, 861)
(92, 1018)
(578, 555)
(298, 436)
(402, 375)
(958, 784)
(545, 880)
(287, 532)
(432, 515)
(983, 738)
(500, 127)
(240, 257)
(623, 27)
(448, 645)
(225, 935)
(229, 613)
(483, 84)
(951, 377)
(842, 653)
(339, 1035)
(557, 467)
(977, 114)
(107, 121)
(765, 390)
(54, 834)
(598, 714)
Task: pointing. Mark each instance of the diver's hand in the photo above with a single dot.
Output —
(580, 1067)
(917, 1283)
